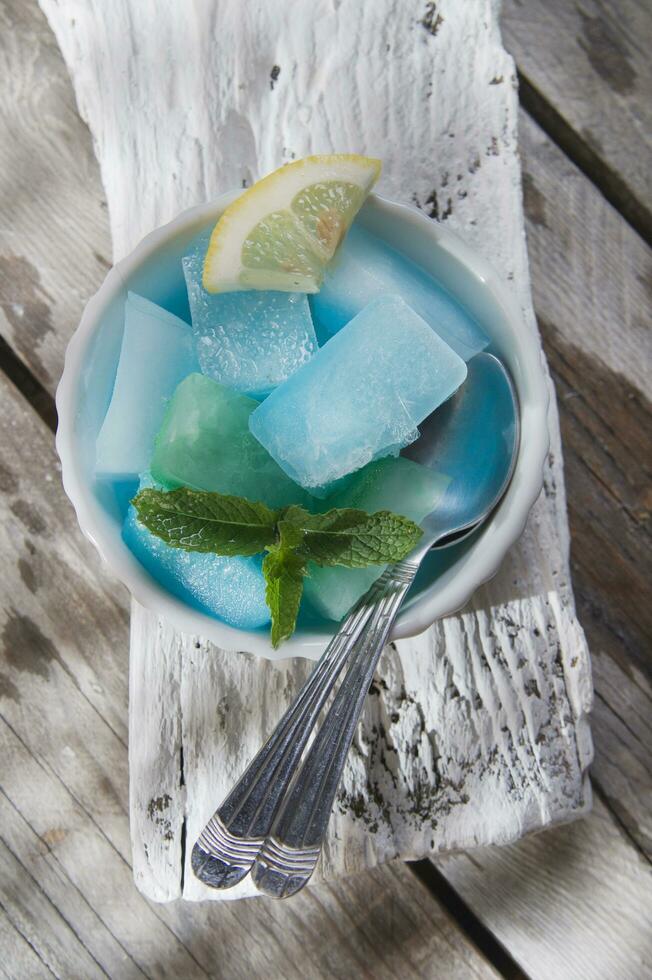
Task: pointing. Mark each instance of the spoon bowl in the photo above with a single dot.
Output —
(473, 439)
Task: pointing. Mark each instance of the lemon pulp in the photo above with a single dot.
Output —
(283, 231)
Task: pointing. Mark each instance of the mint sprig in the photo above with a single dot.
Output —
(197, 520)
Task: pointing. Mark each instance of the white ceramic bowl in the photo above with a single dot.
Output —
(154, 270)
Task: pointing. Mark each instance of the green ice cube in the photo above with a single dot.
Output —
(395, 484)
(205, 443)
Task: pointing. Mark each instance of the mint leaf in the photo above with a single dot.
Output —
(352, 537)
(284, 571)
(197, 520)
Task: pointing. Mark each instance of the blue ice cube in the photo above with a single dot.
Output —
(366, 267)
(250, 341)
(157, 353)
(361, 396)
(233, 589)
(399, 485)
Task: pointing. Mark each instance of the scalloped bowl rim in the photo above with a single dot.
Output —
(450, 591)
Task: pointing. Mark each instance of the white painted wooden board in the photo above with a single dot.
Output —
(477, 731)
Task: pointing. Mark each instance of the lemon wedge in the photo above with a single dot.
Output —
(283, 231)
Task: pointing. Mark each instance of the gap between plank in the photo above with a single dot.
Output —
(184, 822)
(466, 920)
(28, 384)
(610, 184)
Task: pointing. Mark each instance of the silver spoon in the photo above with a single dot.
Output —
(274, 820)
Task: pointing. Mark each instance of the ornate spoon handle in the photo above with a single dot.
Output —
(230, 841)
(290, 853)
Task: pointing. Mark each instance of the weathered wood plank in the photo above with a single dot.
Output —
(52, 199)
(570, 904)
(591, 276)
(623, 738)
(54, 574)
(44, 873)
(88, 877)
(41, 923)
(88, 859)
(19, 959)
(28, 54)
(591, 64)
(161, 782)
(591, 285)
(375, 924)
(415, 941)
(50, 571)
(416, 803)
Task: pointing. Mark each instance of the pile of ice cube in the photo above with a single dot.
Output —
(247, 402)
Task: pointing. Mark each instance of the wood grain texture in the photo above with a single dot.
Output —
(43, 873)
(591, 283)
(157, 828)
(495, 700)
(49, 578)
(590, 63)
(41, 923)
(67, 771)
(591, 275)
(19, 958)
(52, 200)
(374, 924)
(573, 904)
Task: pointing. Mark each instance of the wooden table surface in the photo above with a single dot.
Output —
(571, 902)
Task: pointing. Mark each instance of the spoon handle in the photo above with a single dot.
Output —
(290, 853)
(230, 841)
